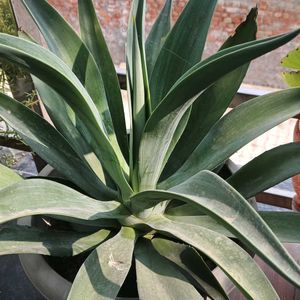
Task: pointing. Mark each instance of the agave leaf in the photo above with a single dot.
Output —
(292, 60)
(92, 36)
(158, 278)
(104, 271)
(51, 146)
(230, 257)
(213, 102)
(285, 225)
(21, 239)
(228, 207)
(292, 78)
(203, 74)
(137, 83)
(267, 170)
(183, 47)
(247, 121)
(75, 54)
(24, 199)
(137, 105)
(191, 263)
(50, 69)
(158, 35)
(8, 177)
(161, 140)
(64, 120)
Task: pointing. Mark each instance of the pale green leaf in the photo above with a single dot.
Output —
(192, 264)
(158, 35)
(104, 271)
(230, 257)
(22, 239)
(50, 145)
(267, 170)
(183, 47)
(213, 102)
(158, 278)
(219, 200)
(8, 177)
(236, 129)
(92, 35)
(39, 196)
(49, 68)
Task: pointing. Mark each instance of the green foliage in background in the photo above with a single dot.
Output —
(152, 204)
(292, 61)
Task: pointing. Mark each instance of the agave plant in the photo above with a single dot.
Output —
(151, 201)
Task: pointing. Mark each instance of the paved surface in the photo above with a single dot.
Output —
(13, 281)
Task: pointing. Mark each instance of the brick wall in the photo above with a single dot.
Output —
(274, 17)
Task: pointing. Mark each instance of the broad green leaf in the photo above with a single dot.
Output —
(138, 107)
(50, 145)
(104, 271)
(292, 60)
(92, 35)
(158, 278)
(203, 74)
(285, 225)
(137, 83)
(183, 47)
(213, 102)
(292, 78)
(24, 199)
(160, 141)
(219, 200)
(64, 120)
(50, 69)
(8, 177)
(267, 170)
(75, 54)
(22, 239)
(192, 264)
(236, 129)
(158, 35)
(230, 257)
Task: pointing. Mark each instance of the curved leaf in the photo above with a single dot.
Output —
(213, 102)
(161, 140)
(21, 239)
(236, 129)
(75, 54)
(219, 200)
(104, 271)
(51, 146)
(183, 47)
(267, 170)
(56, 74)
(158, 278)
(203, 74)
(8, 177)
(91, 34)
(191, 263)
(158, 35)
(64, 120)
(230, 257)
(285, 225)
(292, 60)
(24, 199)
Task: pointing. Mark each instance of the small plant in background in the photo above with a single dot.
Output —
(153, 204)
(292, 78)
